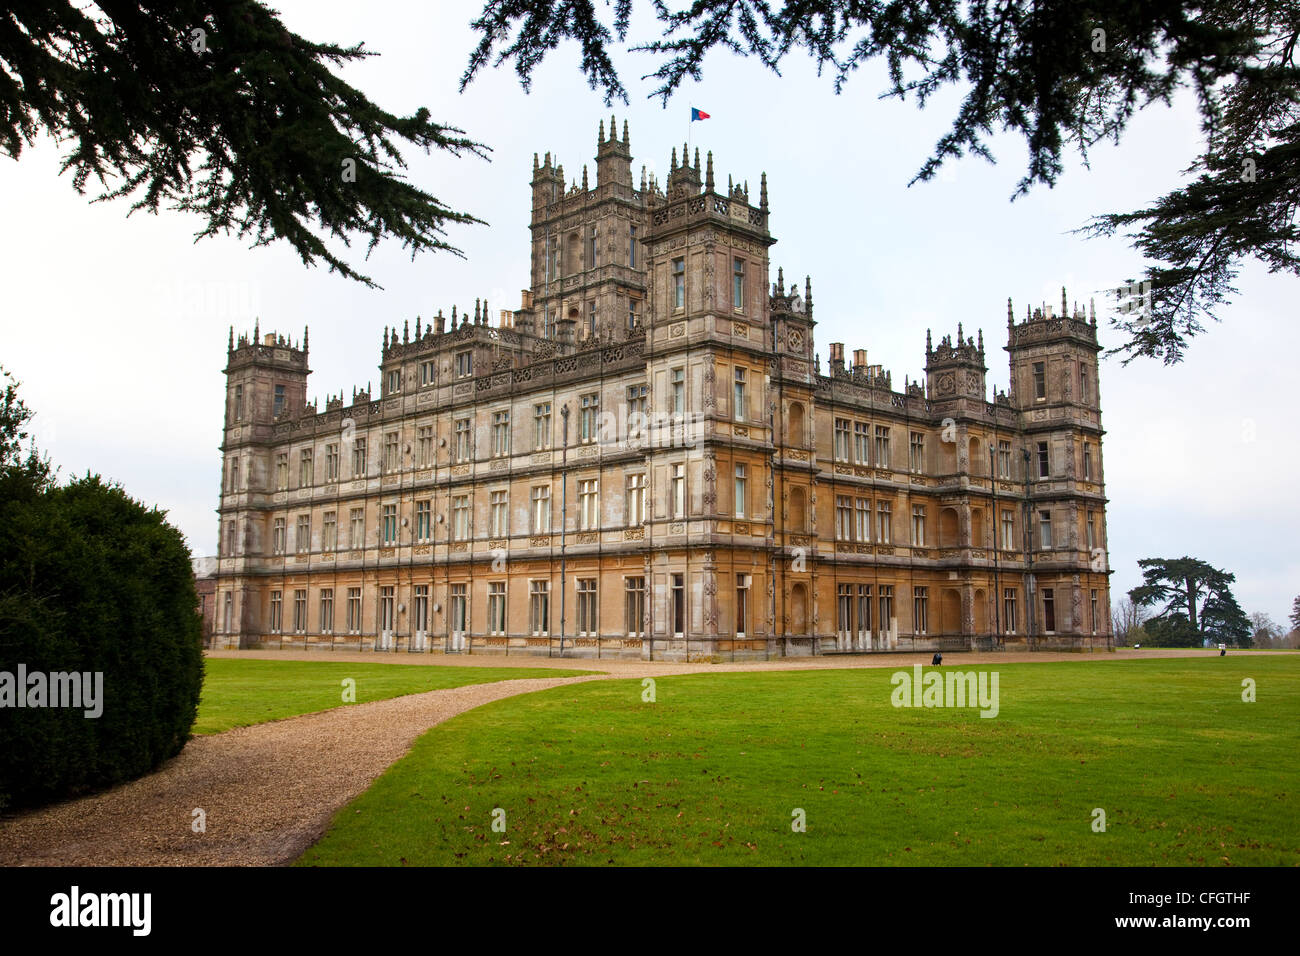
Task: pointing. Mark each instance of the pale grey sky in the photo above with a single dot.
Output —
(117, 327)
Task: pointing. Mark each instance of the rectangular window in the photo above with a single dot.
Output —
(388, 527)
(921, 610)
(239, 403)
(864, 608)
(738, 285)
(278, 408)
(1083, 385)
(387, 610)
(1004, 459)
(539, 608)
(465, 363)
(884, 523)
(300, 611)
(631, 248)
(1044, 530)
(679, 391)
(1093, 605)
(636, 411)
(862, 443)
(277, 536)
(844, 608)
(1049, 611)
(679, 284)
(1008, 531)
(863, 529)
(304, 468)
(918, 526)
(1044, 460)
(358, 458)
(588, 505)
(678, 611)
(591, 319)
(740, 495)
(234, 474)
(635, 499)
(420, 610)
(841, 439)
(843, 518)
(354, 610)
(332, 462)
(357, 528)
(916, 447)
(1009, 610)
(882, 446)
(634, 607)
(460, 517)
(500, 434)
(462, 438)
(496, 607)
(499, 525)
(424, 446)
(230, 539)
(394, 381)
(277, 612)
(428, 373)
(886, 607)
(542, 426)
(282, 471)
(1087, 461)
(587, 617)
(459, 609)
(329, 536)
(679, 491)
(392, 453)
(424, 520)
(588, 409)
(1040, 381)
(302, 535)
(541, 509)
(327, 610)
(592, 245)
(632, 321)
(739, 404)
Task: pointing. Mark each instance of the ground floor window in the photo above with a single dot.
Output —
(742, 604)
(496, 607)
(1009, 610)
(679, 604)
(921, 610)
(277, 612)
(300, 611)
(587, 613)
(1049, 611)
(459, 609)
(539, 608)
(634, 606)
(354, 610)
(420, 621)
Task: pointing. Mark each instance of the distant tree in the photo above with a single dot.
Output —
(217, 109)
(1126, 621)
(1061, 74)
(1265, 632)
(1172, 630)
(1295, 613)
(1196, 590)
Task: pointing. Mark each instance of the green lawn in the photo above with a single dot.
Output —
(1186, 772)
(237, 693)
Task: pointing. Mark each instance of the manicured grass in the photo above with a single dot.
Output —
(237, 693)
(1186, 772)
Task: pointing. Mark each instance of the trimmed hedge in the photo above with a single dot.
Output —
(93, 581)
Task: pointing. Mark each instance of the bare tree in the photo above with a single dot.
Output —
(1267, 632)
(1126, 619)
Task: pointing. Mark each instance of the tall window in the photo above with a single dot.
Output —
(387, 598)
(239, 402)
(1092, 530)
(588, 408)
(282, 471)
(1009, 609)
(1004, 459)
(679, 391)
(357, 528)
(863, 531)
(327, 610)
(1008, 531)
(278, 409)
(679, 284)
(277, 612)
(462, 439)
(539, 608)
(742, 604)
(886, 606)
(541, 509)
(542, 426)
(918, 525)
(843, 518)
(678, 610)
(354, 610)
(679, 491)
(428, 373)
(460, 517)
(277, 536)
(862, 443)
(459, 608)
(740, 489)
(392, 453)
(884, 522)
(916, 447)
(424, 446)
(424, 520)
(304, 468)
(388, 525)
(420, 609)
(588, 508)
(921, 610)
(1040, 381)
(300, 611)
(302, 535)
(634, 606)
(635, 499)
(230, 539)
(738, 395)
(587, 621)
(844, 608)
(738, 285)
(332, 462)
(500, 514)
(500, 434)
(234, 474)
(864, 608)
(1045, 530)
(394, 381)
(465, 363)
(1087, 461)
(631, 313)
(496, 607)
(882, 446)
(631, 248)
(591, 247)
(358, 458)
(591, 318)
(1049, 611)
(841, 439)
(636, 412)
(1083, 385)
(1093, 605)
(1044, 460)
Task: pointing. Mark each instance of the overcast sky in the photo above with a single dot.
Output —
(117, 327)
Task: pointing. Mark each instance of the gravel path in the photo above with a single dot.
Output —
(269, 791)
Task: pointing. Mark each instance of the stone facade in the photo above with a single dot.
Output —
(645, 460)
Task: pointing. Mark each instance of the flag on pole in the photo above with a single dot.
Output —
(698, 114)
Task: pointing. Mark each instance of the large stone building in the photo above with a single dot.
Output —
(645, 460)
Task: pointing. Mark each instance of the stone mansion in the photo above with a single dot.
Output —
(645, 460)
